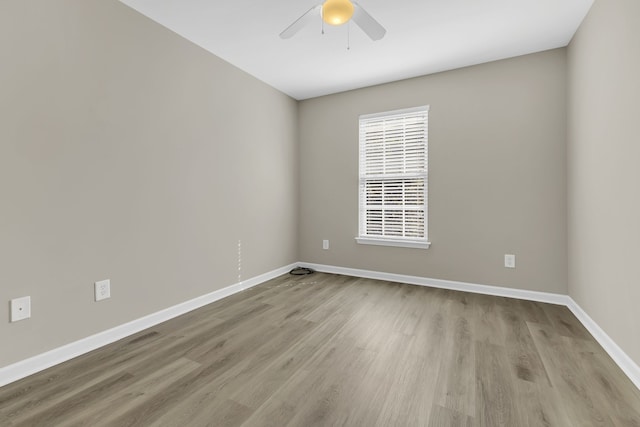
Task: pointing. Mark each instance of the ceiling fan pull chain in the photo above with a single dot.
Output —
(349, 35)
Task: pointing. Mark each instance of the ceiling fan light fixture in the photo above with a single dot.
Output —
(337, 12)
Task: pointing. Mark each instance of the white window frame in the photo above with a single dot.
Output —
(365, 235)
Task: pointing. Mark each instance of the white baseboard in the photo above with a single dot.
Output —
(58, 355)
(628, 366)
(53, 357)
(550, 298)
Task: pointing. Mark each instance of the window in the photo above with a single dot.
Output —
(393, 178)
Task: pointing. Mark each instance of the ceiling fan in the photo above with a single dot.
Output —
(338, 12)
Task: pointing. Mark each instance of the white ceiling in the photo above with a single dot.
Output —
(423, 37)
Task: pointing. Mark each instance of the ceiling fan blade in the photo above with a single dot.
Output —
(370, 26)
(301, 22)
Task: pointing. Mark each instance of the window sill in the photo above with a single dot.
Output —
(392, 242)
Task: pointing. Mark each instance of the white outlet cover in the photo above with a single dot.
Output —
(509, 261)
(103, 290)
(20, 308)
(325, 244)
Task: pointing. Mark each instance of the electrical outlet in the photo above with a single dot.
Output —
(103, 289)
(20, 308)
(509, 261)
(325, 244)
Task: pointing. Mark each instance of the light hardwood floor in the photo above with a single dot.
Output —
(330, 350)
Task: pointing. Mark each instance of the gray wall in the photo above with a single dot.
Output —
(128, 153)
(497, 177)
(603, 172)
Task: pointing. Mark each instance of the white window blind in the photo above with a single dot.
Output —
(393, 178)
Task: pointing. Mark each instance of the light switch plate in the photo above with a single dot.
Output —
(20, 308)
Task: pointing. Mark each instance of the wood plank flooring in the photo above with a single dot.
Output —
(331, 350)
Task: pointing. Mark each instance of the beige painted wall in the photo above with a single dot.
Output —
(497, 178)
(128, 153)
(603, 172)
